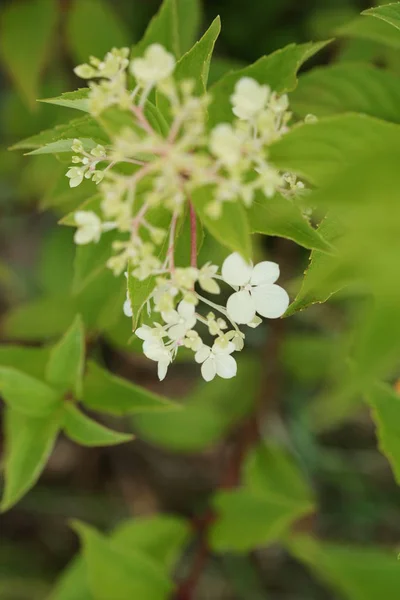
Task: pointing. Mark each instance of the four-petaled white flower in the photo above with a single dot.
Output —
(206, 278)
(217, 361)
(249, 98)
(75, 176)
(154, 348)
(180, 321)
(89, 227)
(257, 290)
(157, 64)
(225, 144)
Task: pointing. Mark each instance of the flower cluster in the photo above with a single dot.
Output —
(155, 163)
(180, 307)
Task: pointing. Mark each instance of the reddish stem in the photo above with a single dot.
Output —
(143, 122)
(193, 236)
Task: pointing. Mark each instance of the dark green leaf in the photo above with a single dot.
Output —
(372, 30)
(27, 394)
(83, 430)
(29, 443)
(389, 13)
(163, 29)
(67, 360)
(139, 293)
(189, 21)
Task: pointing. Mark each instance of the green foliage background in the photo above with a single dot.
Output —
(267, 486)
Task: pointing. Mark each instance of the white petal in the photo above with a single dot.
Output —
(186, 309)
(226, 366)
(235, 270)
(209, 369)
(176, 332)
(271, 301)
(170, 316)
(265, 272)
(241, 308)
(228, 349)
(128, 308)
(162, 369)
(144, 332)
(202, 354)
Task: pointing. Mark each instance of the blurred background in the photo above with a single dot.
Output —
(333, 437)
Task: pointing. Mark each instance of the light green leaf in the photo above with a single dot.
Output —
(354, 572)
(27, 29)
(206, 415)
(83, 127)
(324, 276)
(67, 360)
(110, 394)
(72, 583)
(163, 29)
(27, 394)
(160, 537)
(385, 403)
(139, 293)
(389, 13)
(91, 204)
(63, 146)
(372, 30)
(231, 229)
(278, 70)
(33, 359)
(29, 442)
(77, 99)
(90, 259)
(281, 217)
(318, 151)
(195, 64)
(93, 28)
(348, 87)
(116, 573)
(274, 494)
(83, 430)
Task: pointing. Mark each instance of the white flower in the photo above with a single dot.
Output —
(180, 321)
(154, 348)
(225, 144)
(217, 361)
(89, 227)
(127, 308)
(249, 98)
(206, 278)
(157, 64)
(75, 176)
(257, 291)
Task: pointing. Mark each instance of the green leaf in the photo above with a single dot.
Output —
(160, 537)
(163, 29)
(110, 394)
(33, 359)
(116, 573)
(93, 28)
(385, 403)
(92, 204)
(29, 443)
(27, 30)
(27, 394)
(324, 276)
(318, 151)
(231, 229)
(90, 259)
(139, 292)
(389, 13)
(281, 217)
(83, 430)
(77, 99)
(72, 584)
(273, 496)
(63, 146)
(67, 360)
(354, 572)
(278, 70)
(195, 64)
(189, 20)
(206, 415)
(348, 87)
(83, 127)
(371, 30)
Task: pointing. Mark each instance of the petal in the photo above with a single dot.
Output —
(241, 307)
(265, 272)
(186, 309)
(162, 369)
(209, 285)
(144, 332)
(170, 316)
(228, 349)
(271, 301)
(177, 332)
(235, 270)
(209, 369)
(226, 366)
(202, 354)
(128, 308)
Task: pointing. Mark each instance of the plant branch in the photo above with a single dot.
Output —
(193, 235)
